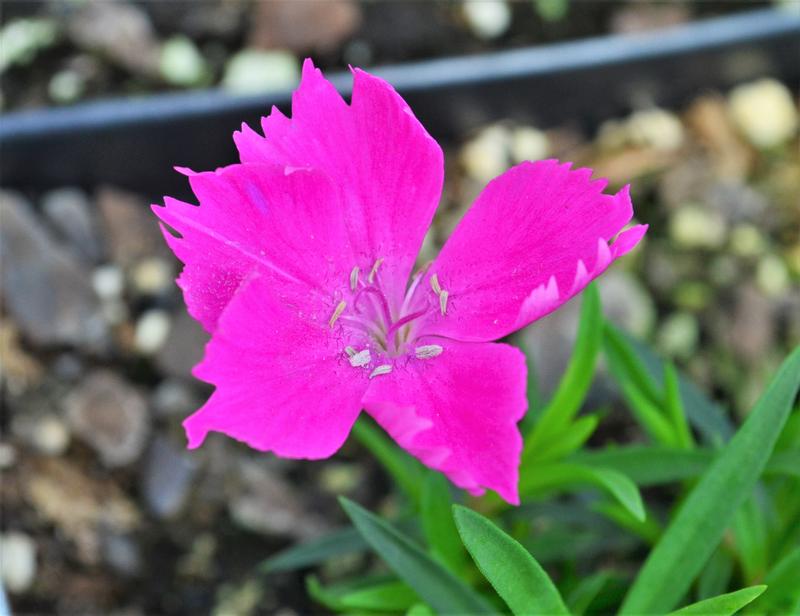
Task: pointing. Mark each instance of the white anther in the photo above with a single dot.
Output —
(337, 313)
(374, 270)
(350, 351)
(435, 284)
(426, 351)
(443, 301)
(354, 278)
(382, 369)
(360, 359)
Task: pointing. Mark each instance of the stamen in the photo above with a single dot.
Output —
(443, 302)
(360, 359)
(406, 319)
(382, 369)
(337, 313)
(354, 279)
(435, 284)
(426, 351)
(374, 270)
(350, 351)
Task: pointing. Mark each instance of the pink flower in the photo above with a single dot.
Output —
(297, 261)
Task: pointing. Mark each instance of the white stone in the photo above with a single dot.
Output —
(528, 143)
(252, 71)
(655, 128)
(17, 561)
(693, 226)
(181, 63)
(772, 275)
(152, 276)
(488, 19)
(487, 155)
(108, 282)
(152, 330)
(51, 435)
(764, 111)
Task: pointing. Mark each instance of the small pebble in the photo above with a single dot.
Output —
(66, 86)
(772, 275)
(181, 63)
(252, 71)
(655, 128)
(18, 559)
(679, 335)
(747, 241)
(488, 19)
(529, 143)
(50, 435)
(8, 456)
(693, 226)
(152, 330)
(764, 112)
(487, 155)
(152, 276)
(108, 282)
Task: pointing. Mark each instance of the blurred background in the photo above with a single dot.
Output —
(103, 510)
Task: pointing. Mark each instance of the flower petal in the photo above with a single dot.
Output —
(457, 412)
(387, 165)
(283, 382)
(536, 236)
(283, 223)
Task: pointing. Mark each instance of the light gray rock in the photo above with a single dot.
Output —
(167, 478)
(45, 288)
(68, 210)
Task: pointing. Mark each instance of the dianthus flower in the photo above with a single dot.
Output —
(297, 262)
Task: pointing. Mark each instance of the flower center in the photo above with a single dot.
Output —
(379, 325)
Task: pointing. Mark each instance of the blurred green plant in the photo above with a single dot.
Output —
(722, 534)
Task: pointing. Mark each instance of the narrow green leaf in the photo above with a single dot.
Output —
(649, 415)
(783, 585)
(420, 609)
(435, 585)
(404, 469)
(750, 536)
(707, 416)
(572, 438)
(561, 476)
(708, 510)
(511, 570)
(581, 597)
(716, 575)
(437, 522)
(574, 385)
(723, 605)
(650, 465)
(385, 597)
(649, 530)
(674, 407)
(322, 595)
(625, 365)
(336, 543)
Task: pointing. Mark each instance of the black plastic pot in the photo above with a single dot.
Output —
(135, 142)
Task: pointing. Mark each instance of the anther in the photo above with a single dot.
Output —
(354, 279)
(350, 351)
(337, 313)
(360, 359)
(435, 284)
(443, 302)
(426, 351)
(374, 270)
(382, 369)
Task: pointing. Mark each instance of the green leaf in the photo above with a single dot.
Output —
(435, 585)
(420, 609)
(582, 596)
(708, 510)
(344, 541)
(511, 570)
(750, 536)
(561, 476)
(649, 415)
(650, 465)
(783, 585)
(649, 530)
(723, 605)
(385, 597)
(564, 443)
(716, 575)
(625, 364)
(708, 417)
(674, 407)
(404, 469)
(574, 385)
(437, 522)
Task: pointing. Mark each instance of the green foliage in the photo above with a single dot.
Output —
(723, 605)
(437, 523)
(511, 570)
(436, 585)
(700, 523)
